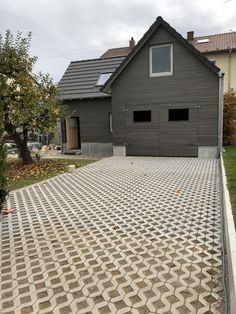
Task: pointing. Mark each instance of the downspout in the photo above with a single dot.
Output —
(221, 110)
(229, 71)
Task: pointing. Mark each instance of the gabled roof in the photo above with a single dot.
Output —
(216, 43)
(80, 78)
(116, 52)
(159, 22)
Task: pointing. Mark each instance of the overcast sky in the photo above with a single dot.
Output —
(69, 30)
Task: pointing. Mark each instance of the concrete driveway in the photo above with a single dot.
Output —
(123, 235)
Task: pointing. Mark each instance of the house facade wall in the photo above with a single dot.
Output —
(95, 135)
(226, 61)
(193, 85)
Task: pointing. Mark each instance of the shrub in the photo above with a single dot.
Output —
(229, 118)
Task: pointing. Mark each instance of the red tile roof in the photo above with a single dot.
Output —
(218, 42)
(116, 52)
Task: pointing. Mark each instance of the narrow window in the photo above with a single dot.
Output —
(142, 116)
(161, 60)
(110, 122)
(178, 114)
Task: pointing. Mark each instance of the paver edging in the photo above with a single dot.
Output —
(230, 240)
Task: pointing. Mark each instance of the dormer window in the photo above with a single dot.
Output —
(161, 60)
(103, 77)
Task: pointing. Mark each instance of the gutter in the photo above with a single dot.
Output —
(220, 112)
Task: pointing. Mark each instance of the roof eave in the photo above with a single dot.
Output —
(218, 50)
(105, 95)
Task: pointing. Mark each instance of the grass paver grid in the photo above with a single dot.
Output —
(123, 235)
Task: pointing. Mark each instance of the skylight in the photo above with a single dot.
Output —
(202, 41)
(103, 77)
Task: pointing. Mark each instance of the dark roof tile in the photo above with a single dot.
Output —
(79, 80)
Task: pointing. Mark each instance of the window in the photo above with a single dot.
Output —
(178, 114)
(103, 77)
(110, 122)
(161, 60)
(142, 116)
(203, 41)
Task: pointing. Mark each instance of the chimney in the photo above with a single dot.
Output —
(190, 35)
(131, 43)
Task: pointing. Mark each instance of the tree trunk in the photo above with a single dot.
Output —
(21, 144)
(21, 141)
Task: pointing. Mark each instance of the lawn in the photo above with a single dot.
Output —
(20, 176)
(230, 167)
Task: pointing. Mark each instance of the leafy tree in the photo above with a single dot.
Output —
(229, 118)
(3, 166)
(29, 102)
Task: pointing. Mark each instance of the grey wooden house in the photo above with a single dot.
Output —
(163, 99)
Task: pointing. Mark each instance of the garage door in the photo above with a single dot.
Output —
(142, 130)
(161, 130)
(178, 130)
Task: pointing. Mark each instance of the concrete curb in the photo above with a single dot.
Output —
(230, 241)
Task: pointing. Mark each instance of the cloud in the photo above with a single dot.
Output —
(66, 30)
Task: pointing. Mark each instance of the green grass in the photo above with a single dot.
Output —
(230, 168)
(20, 176)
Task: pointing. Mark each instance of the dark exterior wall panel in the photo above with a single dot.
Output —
(94, 121)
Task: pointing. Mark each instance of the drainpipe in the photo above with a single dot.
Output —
(220, 114)
(229, 71)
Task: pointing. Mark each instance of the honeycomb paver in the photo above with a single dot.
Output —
(123, 235)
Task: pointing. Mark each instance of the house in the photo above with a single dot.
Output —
(220, 49)
(163, 99)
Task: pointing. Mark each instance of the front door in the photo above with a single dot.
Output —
(142, 130)
(73, 133)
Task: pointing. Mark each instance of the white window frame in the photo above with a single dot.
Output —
(171, 61)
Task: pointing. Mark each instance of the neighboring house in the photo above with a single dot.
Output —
(163, 99)
(119, 52)
(220, 49)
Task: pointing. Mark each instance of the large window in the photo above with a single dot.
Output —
(161, 60)
(142, 116)
(178, 114)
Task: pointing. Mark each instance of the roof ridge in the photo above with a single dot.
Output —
(96, 59)
(204, 36)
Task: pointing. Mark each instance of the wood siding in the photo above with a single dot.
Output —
(93, 117)
(192, 84)
(142, 137)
